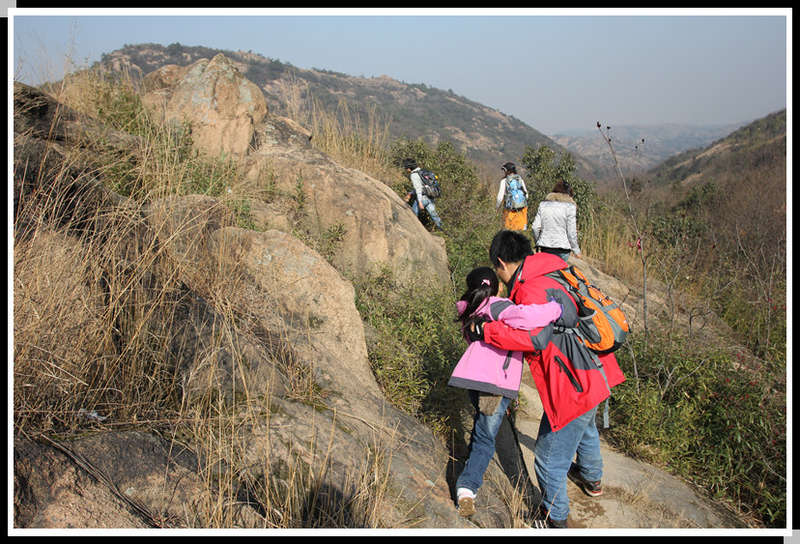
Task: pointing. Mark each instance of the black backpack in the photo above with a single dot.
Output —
(430, 184)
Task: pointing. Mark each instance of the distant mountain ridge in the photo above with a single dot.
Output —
(641, 147)
(484, 134)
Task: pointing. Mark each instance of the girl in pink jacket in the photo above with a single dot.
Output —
(491, 375)
(483, 367)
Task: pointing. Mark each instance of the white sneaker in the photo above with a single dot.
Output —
(465, 492)
(466, 502)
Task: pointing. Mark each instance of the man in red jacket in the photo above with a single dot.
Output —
(570, 380)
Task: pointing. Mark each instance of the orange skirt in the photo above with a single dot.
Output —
(515, 220)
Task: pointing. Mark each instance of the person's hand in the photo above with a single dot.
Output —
(475, 331)
(552, 299)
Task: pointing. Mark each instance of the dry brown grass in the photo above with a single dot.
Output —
(101, 340)
(355, 142)
(609, 240)
(301, 489)
(88, 324)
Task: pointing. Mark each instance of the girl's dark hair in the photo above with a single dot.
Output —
(482, 283)
(563, 187)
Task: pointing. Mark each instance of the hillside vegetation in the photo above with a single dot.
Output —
(727, 203)
(712, 229)
(705, 402)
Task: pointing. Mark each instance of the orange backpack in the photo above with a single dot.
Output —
(602, 325)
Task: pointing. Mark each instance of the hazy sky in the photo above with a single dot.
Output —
(554, 70)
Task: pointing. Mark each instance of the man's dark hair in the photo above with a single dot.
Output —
(510, 246)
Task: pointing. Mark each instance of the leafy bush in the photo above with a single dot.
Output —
(707, 416)
(544, 171)
(413, 346)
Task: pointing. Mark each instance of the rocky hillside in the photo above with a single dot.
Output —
(252, 318)
(175, 368)
(413, 109)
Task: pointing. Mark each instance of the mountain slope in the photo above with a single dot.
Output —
(640, 147)
(297, 424)
(414, 110)
(758, 145)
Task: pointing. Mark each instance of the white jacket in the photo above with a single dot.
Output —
(555, 223)
(416, 181)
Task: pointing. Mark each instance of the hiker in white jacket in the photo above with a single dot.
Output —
(555, 226)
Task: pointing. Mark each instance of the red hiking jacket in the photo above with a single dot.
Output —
(566, 376)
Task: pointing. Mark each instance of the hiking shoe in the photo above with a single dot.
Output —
(544, 521)
(556, 523)
(466, 506)
(593, 489)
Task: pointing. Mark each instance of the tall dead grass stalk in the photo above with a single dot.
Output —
(354, 141)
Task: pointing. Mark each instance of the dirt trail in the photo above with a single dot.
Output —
(636, 495)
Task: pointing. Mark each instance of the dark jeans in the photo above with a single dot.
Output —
(563, 253)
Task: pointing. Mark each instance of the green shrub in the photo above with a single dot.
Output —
(544, 170)
(708, 417)
(414, 347)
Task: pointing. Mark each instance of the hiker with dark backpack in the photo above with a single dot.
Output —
(425, 189)
(513, 196)
(572, 380)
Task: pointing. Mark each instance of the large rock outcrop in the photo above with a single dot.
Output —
(308, 190)
(222, 106)
(378, 228)
(268, 323)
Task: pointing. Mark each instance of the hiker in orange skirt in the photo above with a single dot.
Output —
(513, 195)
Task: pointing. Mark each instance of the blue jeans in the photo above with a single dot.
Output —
(481, 443)
(427, 203)
(554, 452)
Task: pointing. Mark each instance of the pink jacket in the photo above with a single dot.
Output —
(489, 369)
